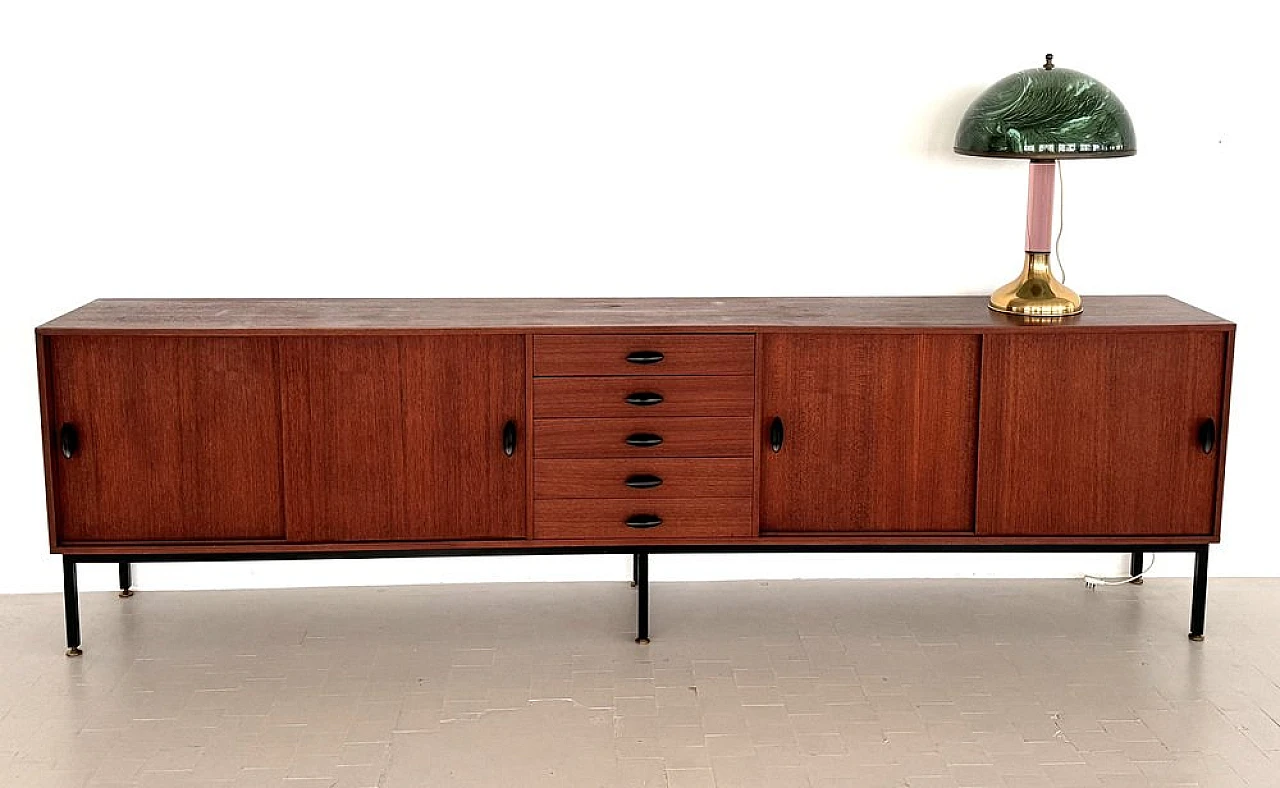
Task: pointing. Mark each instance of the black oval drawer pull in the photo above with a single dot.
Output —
(643, 439)
(645, 357)
(643, 481)
(644, 398)
(644, 521)
(68, 440)
(1208, 436)
(776, 434)
(509, 438)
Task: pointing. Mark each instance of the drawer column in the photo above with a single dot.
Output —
(643, 438)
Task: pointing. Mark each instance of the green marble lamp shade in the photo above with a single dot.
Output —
(1046, 113)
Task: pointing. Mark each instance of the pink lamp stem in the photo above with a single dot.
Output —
(1040, 206)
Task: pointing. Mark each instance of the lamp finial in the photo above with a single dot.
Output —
(1048, 62)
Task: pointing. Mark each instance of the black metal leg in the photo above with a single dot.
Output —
(71, 605)
(126, 580)
(1199, 590)
(635, 569)
(1135, 568)
(641, 562)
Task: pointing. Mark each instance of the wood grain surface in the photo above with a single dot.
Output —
(604, 438)
(682, 395)
(211, 426)
(401, 437)
(880, 432)
(603, 518)
(179, 438)
(681, 478)
(1098, 436)
(561, 315)
(606, 354)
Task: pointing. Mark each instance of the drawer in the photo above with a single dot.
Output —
(650, 354)
(602, 438)
(606, 519)
(641, 479)
(676, 395)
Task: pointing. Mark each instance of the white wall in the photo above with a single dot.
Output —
(503, 148)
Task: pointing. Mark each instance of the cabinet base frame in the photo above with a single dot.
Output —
(639, 566)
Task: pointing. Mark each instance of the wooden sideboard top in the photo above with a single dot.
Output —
(359, 315)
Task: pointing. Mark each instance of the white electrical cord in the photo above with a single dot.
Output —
(1094, 582)
(1062, 216)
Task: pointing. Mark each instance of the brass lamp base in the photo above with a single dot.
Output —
(1036, 292)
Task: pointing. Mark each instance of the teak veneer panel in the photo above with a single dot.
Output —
(604, 519)
(880, 432)
(1097, 436)
(179, 438)
(681, 478)
(682, 395)
(561, 315)
(392, 438)
(606, 354)
(681, 437)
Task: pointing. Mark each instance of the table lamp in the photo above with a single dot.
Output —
(1044, 114)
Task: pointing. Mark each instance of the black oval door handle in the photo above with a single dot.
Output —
(644, 398)
(644, 357)
(509, 438)
(1208, 436)
(68, 440)
(643, 481)
(643, 439)
(643, 521)
(776, 434)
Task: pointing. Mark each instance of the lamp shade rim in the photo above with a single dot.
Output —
(1110, 154)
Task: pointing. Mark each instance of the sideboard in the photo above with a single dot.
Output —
(201, 430)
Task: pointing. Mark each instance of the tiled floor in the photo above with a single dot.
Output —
(818, 683)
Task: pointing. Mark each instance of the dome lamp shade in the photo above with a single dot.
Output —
(1046, 113)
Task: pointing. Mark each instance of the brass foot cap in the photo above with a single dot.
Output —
(74, 652)
(633, 584)
(643, 641)
(1137, 581)
(1195, 637)
(125, 594)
